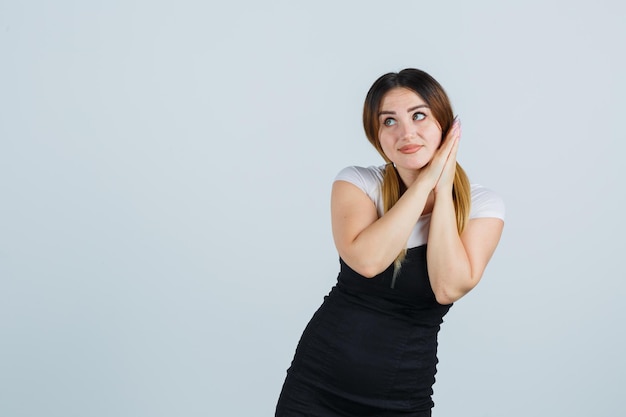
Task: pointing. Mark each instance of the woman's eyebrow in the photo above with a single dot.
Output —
(419, 106)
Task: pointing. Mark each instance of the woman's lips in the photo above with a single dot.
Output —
(410, 148)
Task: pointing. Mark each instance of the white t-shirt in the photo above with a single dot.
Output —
(485, 203)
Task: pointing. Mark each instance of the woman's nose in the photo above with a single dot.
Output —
(408, 130)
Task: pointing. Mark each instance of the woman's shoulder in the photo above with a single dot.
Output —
(367, 179)
(363, 177)
(486, 203)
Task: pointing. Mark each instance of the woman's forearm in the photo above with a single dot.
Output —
(449, 267)
(378, 245)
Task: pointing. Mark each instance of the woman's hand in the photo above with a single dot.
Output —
(439, 173)
(445, 181)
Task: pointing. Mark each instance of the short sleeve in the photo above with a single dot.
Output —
(369, 180)
(486, 203)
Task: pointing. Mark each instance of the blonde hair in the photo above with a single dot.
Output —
(436, 98)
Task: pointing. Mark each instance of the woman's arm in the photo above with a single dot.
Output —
(369, 244)
(456, 263)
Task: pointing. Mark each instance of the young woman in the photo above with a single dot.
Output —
(413, 237)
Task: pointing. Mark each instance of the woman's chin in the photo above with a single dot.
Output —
(414, 166)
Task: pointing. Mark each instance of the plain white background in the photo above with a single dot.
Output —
(165, 170)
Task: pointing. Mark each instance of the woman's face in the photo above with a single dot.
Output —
(409, 134)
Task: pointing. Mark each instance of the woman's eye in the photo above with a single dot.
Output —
(419, 116)
(389, 122)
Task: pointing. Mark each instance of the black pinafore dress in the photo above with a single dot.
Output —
(370, 349)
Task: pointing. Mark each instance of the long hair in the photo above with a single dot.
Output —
(436, 98)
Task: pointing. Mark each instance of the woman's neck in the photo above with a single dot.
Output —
(408, 177)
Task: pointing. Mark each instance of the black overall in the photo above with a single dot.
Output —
(370, 349)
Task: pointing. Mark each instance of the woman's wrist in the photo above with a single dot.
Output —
(444, 191)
